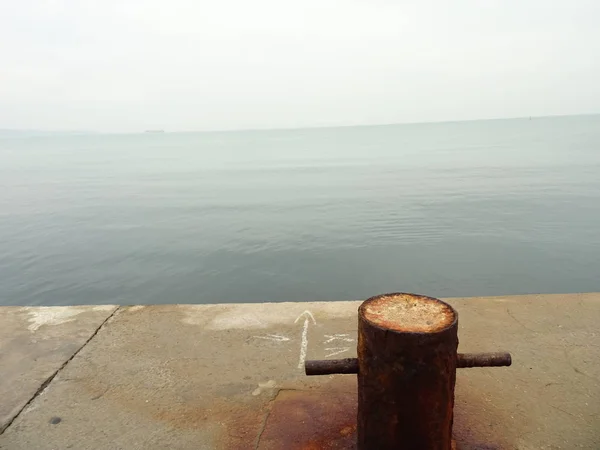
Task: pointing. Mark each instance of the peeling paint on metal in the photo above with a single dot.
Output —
(409, 313)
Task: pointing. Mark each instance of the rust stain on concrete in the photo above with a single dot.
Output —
(311, 420)
(478, 426)
(326, 420)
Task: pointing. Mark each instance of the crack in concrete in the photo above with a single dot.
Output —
(519, 322)
(48, 380)
(266, 418)
(575, 368)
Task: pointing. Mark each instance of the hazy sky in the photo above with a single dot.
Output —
(119, 65)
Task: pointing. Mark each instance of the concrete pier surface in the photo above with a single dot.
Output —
(230, 376)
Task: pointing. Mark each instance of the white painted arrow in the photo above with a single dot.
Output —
(273, 337)
(337, 337)
(304, 342)
(336, 351)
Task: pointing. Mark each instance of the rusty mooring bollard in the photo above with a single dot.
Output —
(406, 370)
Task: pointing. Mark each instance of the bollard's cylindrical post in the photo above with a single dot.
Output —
(406, 372)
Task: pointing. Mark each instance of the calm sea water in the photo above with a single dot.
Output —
(449, 209)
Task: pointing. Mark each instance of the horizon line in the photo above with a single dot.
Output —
(311, 127)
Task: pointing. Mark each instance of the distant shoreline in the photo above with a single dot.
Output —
(17, 132)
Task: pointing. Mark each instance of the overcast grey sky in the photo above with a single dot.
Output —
(120, 65)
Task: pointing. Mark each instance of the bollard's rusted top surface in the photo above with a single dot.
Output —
(409, 313)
